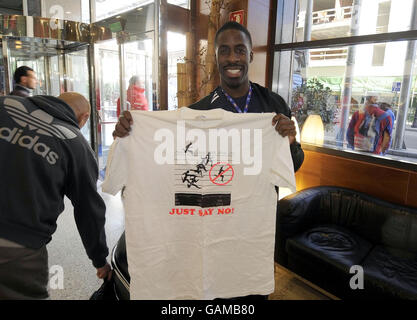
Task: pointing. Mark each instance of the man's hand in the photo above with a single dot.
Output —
(284, 126)
(104, 272)
(123, 125)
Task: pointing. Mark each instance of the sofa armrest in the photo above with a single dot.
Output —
(295, 214)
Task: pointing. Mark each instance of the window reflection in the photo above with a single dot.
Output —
(320, 86)
(336, 82)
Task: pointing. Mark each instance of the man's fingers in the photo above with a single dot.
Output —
(104, 272)
(123, 126)
(277, 118)
(283, 125)
(120, 131)
(127, 115)
(125, 122)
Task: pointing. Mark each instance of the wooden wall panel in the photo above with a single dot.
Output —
(387, 183)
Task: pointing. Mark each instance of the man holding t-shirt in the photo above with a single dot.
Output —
(236, 93)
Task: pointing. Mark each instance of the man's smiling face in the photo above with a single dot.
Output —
(233, 55)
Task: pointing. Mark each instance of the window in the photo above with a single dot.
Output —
(181, 3)
(176, 54)
(108, 8)
(333, 18)
(378, 55)
(383, 17)
(337, 77)
(66, 10)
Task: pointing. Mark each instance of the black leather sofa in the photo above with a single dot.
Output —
(323, 231)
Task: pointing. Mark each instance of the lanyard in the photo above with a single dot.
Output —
(235, 104)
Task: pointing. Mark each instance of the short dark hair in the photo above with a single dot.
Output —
(385, 106)
(234, 26)
(21, 72)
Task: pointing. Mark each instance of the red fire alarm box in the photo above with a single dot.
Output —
(237, 16)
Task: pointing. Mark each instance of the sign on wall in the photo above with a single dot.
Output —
(237, 16)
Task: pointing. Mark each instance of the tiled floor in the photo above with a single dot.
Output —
(67, 251)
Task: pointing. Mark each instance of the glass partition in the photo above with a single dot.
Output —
(76, 79)
(107, 94)
(325, 83)
(108, 8)
(74, 10)
(176, 53)
(181, 3)
(138, 73)
(356, 94)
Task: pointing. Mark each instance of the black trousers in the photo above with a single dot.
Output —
(24, 273)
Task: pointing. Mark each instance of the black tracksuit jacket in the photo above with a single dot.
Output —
(263, 100)
(43, 158)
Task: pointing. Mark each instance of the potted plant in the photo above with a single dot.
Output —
(313, 98)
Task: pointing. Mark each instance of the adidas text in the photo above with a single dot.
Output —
(14, 136)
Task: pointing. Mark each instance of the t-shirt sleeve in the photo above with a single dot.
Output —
(116, 169)
(282, 168)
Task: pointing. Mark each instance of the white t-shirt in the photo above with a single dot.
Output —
(200, 218)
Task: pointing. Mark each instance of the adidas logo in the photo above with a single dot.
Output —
(37, 120)
(215, 97)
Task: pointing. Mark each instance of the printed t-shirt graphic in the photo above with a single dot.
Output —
(200, 218)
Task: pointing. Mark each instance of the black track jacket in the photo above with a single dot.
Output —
(265, 100)
(44, 157)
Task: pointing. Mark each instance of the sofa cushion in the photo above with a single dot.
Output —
(391, 272)
(324, 255)
(333, 244)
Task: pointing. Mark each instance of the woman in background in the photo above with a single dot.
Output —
(135, 96)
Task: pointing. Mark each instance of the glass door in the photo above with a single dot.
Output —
(132, 62)
(107, 94)
(76, 79)
(58, 69)
(38, 65)
(137, 74)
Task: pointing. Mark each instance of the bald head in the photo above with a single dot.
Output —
(79, 104)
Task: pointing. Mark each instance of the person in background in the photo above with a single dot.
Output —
(368, 127)
(387, 108)
(387, 140)
(45, 157)
(25, 81)
(135, 96)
